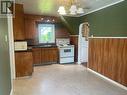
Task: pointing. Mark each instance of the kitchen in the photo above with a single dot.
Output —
(42, 40)
(76, 49)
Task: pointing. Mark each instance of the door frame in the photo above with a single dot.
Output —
(11, 46)
(79, 44)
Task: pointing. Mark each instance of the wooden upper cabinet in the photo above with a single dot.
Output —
(18, 23)
(30, 28)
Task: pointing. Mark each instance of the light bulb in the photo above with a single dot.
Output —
(61, 10)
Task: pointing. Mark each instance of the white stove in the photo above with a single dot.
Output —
(66, 51)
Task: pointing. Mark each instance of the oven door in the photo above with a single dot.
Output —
(67, 52)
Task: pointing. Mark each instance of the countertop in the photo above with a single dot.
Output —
(37, 46)
(44, 46)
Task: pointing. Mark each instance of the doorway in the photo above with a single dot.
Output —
(83, 43)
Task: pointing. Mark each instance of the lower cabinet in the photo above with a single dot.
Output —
(36, 55)
(23, 64)
(42, 56)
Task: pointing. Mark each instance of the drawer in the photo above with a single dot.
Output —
(66, 60)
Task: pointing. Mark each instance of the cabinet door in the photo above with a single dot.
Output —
(37, 55)
(54, 55)
(24, 64)
(43, 55)
(30, 28)
(18, 23)
(49, 55)
(45, 58)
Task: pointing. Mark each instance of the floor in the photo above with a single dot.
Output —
(64, 80)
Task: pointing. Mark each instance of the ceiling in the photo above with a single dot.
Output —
(50, 7)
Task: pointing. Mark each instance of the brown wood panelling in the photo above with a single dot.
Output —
(74, 41)
(62, 33)
(31, 31)
(43, 18)
(109, 58)
(23, 64)
(31, 24)
(18, 23)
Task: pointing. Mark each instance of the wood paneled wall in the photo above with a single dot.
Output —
(74, 41)
(109, 58)
(31, 30)
(62, 33)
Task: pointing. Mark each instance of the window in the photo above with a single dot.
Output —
(46, 33)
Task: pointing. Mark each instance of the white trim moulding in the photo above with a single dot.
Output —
(108, 37)
(102, 7)
(74, 35)
(11, 93)
(111, 81)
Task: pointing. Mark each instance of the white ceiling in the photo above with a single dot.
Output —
(50, 7)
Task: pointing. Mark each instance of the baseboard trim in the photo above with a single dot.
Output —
(111, 81)
(11, 93)
(107, 37)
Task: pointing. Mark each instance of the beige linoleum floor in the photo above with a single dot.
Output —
(64, 80)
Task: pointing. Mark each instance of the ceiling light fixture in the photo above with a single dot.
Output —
(61, 10)
(71, 7)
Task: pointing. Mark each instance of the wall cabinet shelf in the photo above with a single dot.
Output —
(18, 23)
(30, 28)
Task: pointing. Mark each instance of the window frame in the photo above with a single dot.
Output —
(54, 34)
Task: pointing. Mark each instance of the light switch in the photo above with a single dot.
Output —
(6, 38)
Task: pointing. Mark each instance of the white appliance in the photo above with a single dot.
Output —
(83, 47)
(20, 45)
(66, 51)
